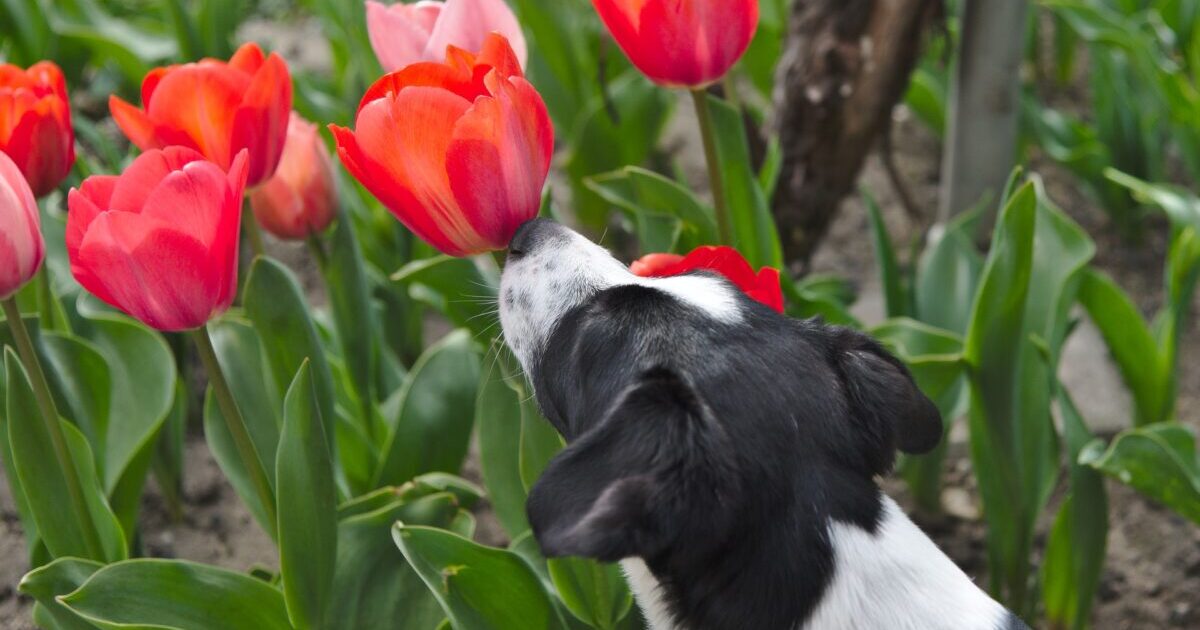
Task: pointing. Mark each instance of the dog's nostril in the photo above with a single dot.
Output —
(525, 239)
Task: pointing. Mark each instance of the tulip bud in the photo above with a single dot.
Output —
(687, 43)
(458, 151)
(301, 198)
(215, 108)
(403, 34)
(21, 247)
(763, 286)
(160, 241)
(35, 126)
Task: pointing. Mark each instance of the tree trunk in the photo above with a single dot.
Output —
(981, 138)
(845, 66)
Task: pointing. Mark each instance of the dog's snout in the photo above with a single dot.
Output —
(530, 235)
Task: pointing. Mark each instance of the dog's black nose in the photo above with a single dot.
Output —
(527, 237)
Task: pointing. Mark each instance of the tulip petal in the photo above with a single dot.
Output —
(191, 199)
(499, 158)
(44, 144)
(457, 75)
(406, 141)
(21, 249)
(260, 123)
(153, 272)
(84, 205)
(399, 33)
(248, 59)
(134, 123)
(129, 194)
(200, 101)
(468, 24)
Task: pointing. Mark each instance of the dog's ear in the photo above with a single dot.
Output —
(888, 408)
(625, 487)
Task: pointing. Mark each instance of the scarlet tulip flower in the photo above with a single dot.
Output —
(160, 241)
(762, 286)
(689, 43)
(301, 198)
(458, 151)
(21, 247)
(216, 108)
(403, 34)
(35, 124)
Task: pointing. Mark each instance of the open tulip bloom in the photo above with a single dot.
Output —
(687, 43)
(403, 34)
(21, 248)
(762, 286)
(458, 151)
(216, 108)
(160, 241)
(35, 124)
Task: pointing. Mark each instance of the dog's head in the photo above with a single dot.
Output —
(689, 408)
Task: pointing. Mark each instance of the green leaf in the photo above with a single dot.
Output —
(79, 376)
(1158, 460)
(1180, 205)
(540, 442)
(436, 410)
(349, 296)
(307, 500)
(611, 134)
(649, 199)
(374, 587)
(478, 587)
(1075, 549)
(498, 419)
(948, 274)
(241, 358)
(993, 348)
(142, 369)
(595, 593)
(926, 97)
(895, 293)
(457, 288)
(177, 594)
(60, 577)
(44, 483)
(276, 306)
(1132, 346)
(753, 226)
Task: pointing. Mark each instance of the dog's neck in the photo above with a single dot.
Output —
(894, 577)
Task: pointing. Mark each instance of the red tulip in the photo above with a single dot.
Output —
(216, 108)
(458, 151)
(301, 198)
(21, 247)
(688, 43)
(160, 241)
(403, 34)
(35, 124)
(762, 286)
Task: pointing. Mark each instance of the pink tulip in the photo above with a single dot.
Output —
(21, 248)
(160, 241)
(301, 198)
(402, 34)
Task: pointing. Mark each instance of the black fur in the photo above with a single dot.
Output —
(718, 453)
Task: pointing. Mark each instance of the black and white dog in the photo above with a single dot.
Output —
(725, 454)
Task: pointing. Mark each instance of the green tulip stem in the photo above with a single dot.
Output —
(253, 234)
(704, 115)
(499, 257)
(58, 439)
(46, 310)
(236, 424)
(317, 247)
